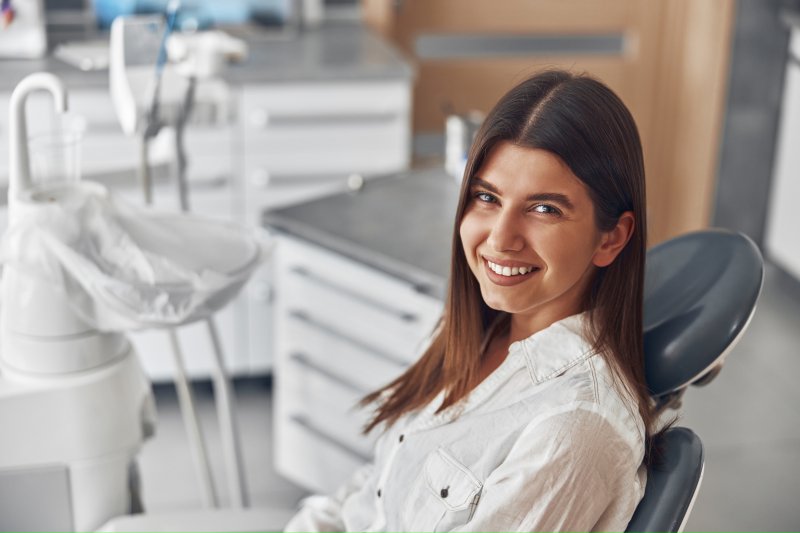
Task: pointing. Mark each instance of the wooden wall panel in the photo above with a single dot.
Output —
(689, 107)
(411, 17)
(488, 80)
(672, 74)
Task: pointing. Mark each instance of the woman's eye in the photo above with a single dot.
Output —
(546, 209)
(485, 197)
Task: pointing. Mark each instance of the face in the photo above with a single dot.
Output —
(530, 238)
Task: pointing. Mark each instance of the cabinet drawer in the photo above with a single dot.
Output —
(348, 127)
(360, 135)
(325, 400)
(317, 102)
(378, 312)
(353, 298)
(312, 458)
(381, 155)
(365, 367)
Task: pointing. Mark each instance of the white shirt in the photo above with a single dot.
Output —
(547, 442)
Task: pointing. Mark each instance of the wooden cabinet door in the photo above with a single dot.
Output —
(667, 60)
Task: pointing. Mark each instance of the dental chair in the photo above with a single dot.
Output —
(700, 294)
(701, 291)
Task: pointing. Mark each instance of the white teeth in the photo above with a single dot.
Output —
(509, 271)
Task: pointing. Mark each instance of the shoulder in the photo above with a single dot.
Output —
(574, 388)
(589, 402)
(562, 363)
(584, 433)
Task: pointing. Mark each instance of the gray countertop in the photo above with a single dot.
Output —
(400, 225)
(332, 52)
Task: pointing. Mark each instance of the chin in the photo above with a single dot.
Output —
(499, 303)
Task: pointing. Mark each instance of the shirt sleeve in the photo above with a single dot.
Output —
(324, 513)
(564, 473)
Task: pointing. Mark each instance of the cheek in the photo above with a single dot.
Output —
(567, 254)
(470, 235)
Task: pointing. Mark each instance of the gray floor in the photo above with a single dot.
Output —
(748, 418)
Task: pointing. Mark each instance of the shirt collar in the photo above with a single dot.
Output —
(546, 353)
(551, 351)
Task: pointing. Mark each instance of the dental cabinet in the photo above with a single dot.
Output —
(305, 113)
(359, 288)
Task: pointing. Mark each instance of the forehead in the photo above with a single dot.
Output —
(514, 168)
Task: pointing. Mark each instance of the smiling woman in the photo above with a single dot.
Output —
(529, 410)
(529, 212)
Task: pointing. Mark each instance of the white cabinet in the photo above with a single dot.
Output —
(342, 330)
(302, 141)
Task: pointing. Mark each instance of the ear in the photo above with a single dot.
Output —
(612, 242)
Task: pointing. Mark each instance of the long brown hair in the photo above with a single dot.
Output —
(583, 122)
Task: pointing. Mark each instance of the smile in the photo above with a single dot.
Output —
(508, 271)
(508, 274)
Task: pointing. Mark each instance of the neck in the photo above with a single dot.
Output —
(523, 326)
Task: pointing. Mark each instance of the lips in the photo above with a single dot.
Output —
(508, 273)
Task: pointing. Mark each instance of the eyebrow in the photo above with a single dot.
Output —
(554, 197)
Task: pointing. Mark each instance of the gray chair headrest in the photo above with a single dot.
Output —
(700, 292)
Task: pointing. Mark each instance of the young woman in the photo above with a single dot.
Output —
(529, 409)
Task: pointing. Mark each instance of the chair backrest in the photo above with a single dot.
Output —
(672, 485)
(701, 291)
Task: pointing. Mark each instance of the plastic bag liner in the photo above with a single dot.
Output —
(125, 268)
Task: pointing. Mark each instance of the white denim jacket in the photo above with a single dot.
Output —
(548, 442)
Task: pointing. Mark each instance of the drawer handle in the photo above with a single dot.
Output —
(303, 360)
(311, 428)
(216, 182)
(310, 322)
(263, 179)
(405, 316)
(263, 119)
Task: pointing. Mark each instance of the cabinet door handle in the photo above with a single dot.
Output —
(260, 178)
(305, 361)
(330, 439)
(403, 315)
(259, 118)
(328, 330)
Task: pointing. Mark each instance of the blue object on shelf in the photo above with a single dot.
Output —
(194, 14)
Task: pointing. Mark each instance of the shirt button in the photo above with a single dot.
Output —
(401, 438)
(379, 493)
(444, 492)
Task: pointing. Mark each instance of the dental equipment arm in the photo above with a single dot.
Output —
(137, 35)
(154, 123)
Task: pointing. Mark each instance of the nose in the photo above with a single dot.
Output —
(505, 235)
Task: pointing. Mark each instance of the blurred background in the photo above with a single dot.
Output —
(332, 94)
